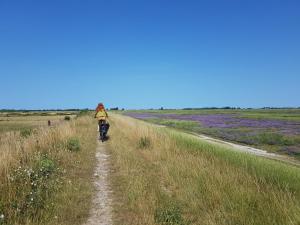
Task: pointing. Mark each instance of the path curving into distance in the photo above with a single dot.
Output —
(242, 148)
(248, 149)
(101, 211)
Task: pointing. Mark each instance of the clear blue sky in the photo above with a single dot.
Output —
(143, 54)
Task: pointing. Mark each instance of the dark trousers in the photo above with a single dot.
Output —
(103, 122)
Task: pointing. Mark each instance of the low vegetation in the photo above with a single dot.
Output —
(162, 176)
(15, 121)
(45, 175)
(272, 130)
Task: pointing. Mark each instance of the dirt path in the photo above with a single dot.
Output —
(244, 148)
(101, 212)
(248, 149)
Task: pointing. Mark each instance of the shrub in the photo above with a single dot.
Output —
(26, 132)
(168, 215)
(46, 165)
(67, 118)
(144, 143)
(273, 139)
(73, 144)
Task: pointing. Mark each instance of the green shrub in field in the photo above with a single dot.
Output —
(46, 166)
(273, 139)
(26, 132)
(73, 144)
(67, 118)
(144, 142)
(169, 214)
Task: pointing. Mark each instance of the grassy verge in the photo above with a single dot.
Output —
(162, 176)
(46, 175)
(264, 139)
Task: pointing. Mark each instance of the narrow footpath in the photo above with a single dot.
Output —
(248, 149)
(101, 211)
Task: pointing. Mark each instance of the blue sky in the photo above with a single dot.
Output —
(144, 54)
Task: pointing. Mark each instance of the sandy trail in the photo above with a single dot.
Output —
(248, 149)
(244, 148)
(101, 212)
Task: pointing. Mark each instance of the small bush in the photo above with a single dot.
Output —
(73, 145)
(144, 143)
(26, 132)
(273, 139)
(168, 215)
(67, 118)
(46, 165)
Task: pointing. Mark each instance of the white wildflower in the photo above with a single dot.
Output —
(2, 216)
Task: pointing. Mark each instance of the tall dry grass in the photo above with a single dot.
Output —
(28, 121)
(42, 179)
(167, 177)
(14, 148)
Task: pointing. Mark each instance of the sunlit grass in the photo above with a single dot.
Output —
(46, 174)
(195, 182)
(15, 121)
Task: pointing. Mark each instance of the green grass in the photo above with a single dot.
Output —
(179, 124)
(285, 176)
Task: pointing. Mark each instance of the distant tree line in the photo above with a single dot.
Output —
(116, 109)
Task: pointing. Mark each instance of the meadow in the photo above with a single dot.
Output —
(275, 130)
(46, 172)
(164, 176)
(157, 175)
(14, 121)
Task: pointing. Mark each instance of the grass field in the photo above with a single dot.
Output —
(158, 176)
(272, 130)
(46, 175)
(163, 176)
(14, 121)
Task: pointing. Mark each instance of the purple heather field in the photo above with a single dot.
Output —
(282, 135)
(228, 121)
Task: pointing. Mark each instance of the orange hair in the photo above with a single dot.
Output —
(100, 107)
